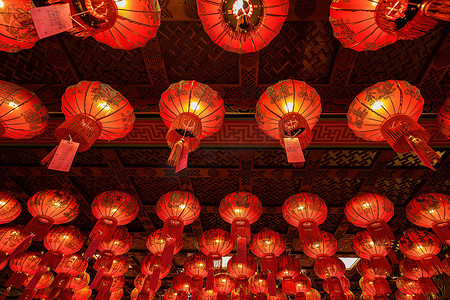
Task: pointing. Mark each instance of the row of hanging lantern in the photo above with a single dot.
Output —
(287, 111)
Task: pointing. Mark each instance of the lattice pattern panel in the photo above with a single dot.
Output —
(443, 188)
(18, 157)
(210, 191)
(34, 184)
(213, 220)
(398, 190)
(91, 186)
(272, 159)
(93, 158)
(273, 192)
(332, 222)
(144, 157)
(273, 221)
(85, 223)
(214, 159)
(336, 191)
(409, 160)
(347, 158)
(151, 189)
(155, 220)
(136, 226)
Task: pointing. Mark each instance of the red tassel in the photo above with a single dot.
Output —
(423, 151)
(104, 227)
(323, 262)
(334, 286)
(65, 295)
(36, 277)
(240, 228)
(261, 296)
(39, 226)
(432, 264)
(442, 230)
(381, 285)
(169, 248)
(143, 296)
(173, 228)
(269, 263)
(183, 295)
(300, 296)
(380, 265)
(380, 232)
(101, 295)
(380, 297)
(271, 284)
(194, 295)
(16, 280)
(222, 296)
(197, 283)
(309, 232)
(241, 250)
(155, 279)
(392, 255)
(51, 259)
(93, 246)
(28, 294)
(97, 279)
(22, 247)
(427, 285)
(288, 286)
(210, 279)
(5, 293)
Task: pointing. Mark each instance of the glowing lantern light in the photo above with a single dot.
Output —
(288, 269)
(70, 265)
(156, 243)
(345, 286)
(444, 119)
(313, 294)
(44, 282)
(10, 239)
(306, 212)
(335, 269)
(408, 286)
(10, 208)
(380, 283)
(302, 285)
(224, 284)
(154, 269)
(170, 294)
(259, 285)
(241, 272)
(134, 294)
(431, 210)
(82, 294)
(104, 283)
(369, 288)
(288, 111)
(242, 26)
(192, 111)
(181, 283)
(211, 295)
(414, 270)
(196, 267)
(389, 111)
(43, 294)
(240, 209)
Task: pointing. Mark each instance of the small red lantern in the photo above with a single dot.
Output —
(10, 208)
(366, 248)
(103, 283)
(45, 281)
(414, 270)
(154, 269)
(401, 296)
(43, 294)
(313, 294)
(156, 243)
(288, 269)
(181, 283)
(267, 245)
(134, 294)
(82, 294)
(408, 286)
(10, 239)
(139, 282)
(302, 285)
(176, 209)
(170, 294)
(423, 246)
(117, 295)
(80, 281)
(259, 286)
(240, 209)
(111, 208)
(344, 283)
(380, 283)
(214, 243)
(288, 111)
(70, 265)
(192, 111)
(196, 267)
(242, 26)
(389, 111)
(431, 210)
(224, 284)
(241, 272)
(211, 295)
(444, 119)
(369, 288)
(306, 212)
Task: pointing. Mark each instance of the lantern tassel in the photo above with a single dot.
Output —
(241, 250)
(288, 286)
(97, 278)
(432, 264)
(66, 294)
(155, 278)
(222, 296)
(22, 247)
(39, 226)
(423, 151)
(382, 285)
(392, 255)
(194, 295)
(28, 294)
(143, 296)
(175, 154)
(167, 254)
(210, 279)
(380, 265)
(36, 277)
(442, 230)
(101, 295)
(181, 295)
(309, 232)
(271, 284)
(380, 297)
(380, 233)
(5, 293)
(334, 286)
(48, 158)
(16, 280)
(300, 296)
(260, 296)
(427, 285)
(269, 263)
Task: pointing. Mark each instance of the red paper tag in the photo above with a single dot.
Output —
(64, 155)
(294, 152)
(51, 20)
(182, 163)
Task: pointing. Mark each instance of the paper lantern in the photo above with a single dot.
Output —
(313, 294)
(211, 295)
(306, 212)
(196, 267)
(117, 295)
(44, 281)
(240, 209)
(224, 284)
(302, 285)
(43, 294)
(134, 294)
(401, 296)
(137, 23)
(431, 210)
(111, 208)
(242, 26)
(414, 270)
(176, 209)
(344, 283)
(443, 119)
(156, 243)
(241, 272)
(388, 111)
(82, 294)
(423, 246)
(181, 283)
(408, 286)
(259, 285)
(335, 268)
(192, 111)
(23, 265)
(268, 244)
(366, 248)
(139, 282)
(10, 208)
(215, 244)
(104, 282)
(380, 283)
(80, 281)
(288, 111)
(369, 288)
(288, 269)
(93, 110)
(170, 294)
(10, 239)
(154, 269)
(70, 265)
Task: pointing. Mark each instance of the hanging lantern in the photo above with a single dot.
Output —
(215, 244)
(10, 208)
(423, 246)
(414, 270)
(380, 283)
(306, 212)
(111, 208)
(139, 282)
(93, 110)
(288, 269)
(117, 295)
(196, 267)
(181, 283)
(366, 248)
(134, 294)
(443, 119)
(401, 296)
(240, 209)
(334, 270)
(156, 243)
(70, 265)
(45, 281)
(279, 295)
(79, 282)
(268, 245)
(103, 283)
(242, 26)
(259, 285)
(389, 111)
(313, 294)
(192, 111)
(345, 285)
(288, 111)
(431, 210)
(170, 294)
(408, 286)
(241, 272)
(302, 285)
(43, 294)
(176, 209)
(144, 292)
(154, 269)
(114, 290)
(10, 239)
(82, 294)
(369, 288)
(211, 295)
(224, 284)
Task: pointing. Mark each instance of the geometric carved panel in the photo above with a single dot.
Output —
(336, 191)
(341, 158)
(409, 160)
(398, 190)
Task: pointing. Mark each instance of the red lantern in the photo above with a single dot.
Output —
(224, 284)
(306, 212)
(444, 119)
(139, 282)
(380, 283)
(414, 270)
(288, 269)
(10, 208)
(431, 210)
(70, 265)
(211, 295)
(192, 111)
(45, 281)
(138, 22)
(366, 248)
(389, 111)
(288, 111)
(259, 286)
(134, 294)
(267, 245)
(80, 281)
(82, 294)
(401, 296)
(103, 283)
(302, 285)
(155, 270)
(43, 294)
(408, 286)
(344, 283)
(242, 26)
(196, 267)
(241, 272)
(176, 209)
(423, 246)
(111, 208)
(170, 294)
(313, 294)
(240, 209)
(214, 243)
(117, 295)
(181, 283)
(347, 296)
(10, 239)
(369, 288)
(155, 243)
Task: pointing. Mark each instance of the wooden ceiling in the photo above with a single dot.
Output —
(240, 156)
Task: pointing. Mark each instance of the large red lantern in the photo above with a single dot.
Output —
(70, 265)
(82, 294)
(93, 110)
(431, 210)
(224, 284)
(267, 245)
(345, 285)
(242, 26)
(10, 239)
(401, 296)
(215, 244)
(288, 111)
(240, 209)
(408, 286)
(104, 282)
(369, 288)
(334, 269)
(241, 272)
(176, 209)
(306, 212)
(414, 270)
(45, 281)
(365, 269)
(388, 111)
(259, 285)
(366, 248)
(444, 119)
(154, 269)
(181, 283)
(196, 266)
(10, 208)
(156, 243)
(288, 269)
(137, 23)
(302, 285)
(192, 111)
(111, 208)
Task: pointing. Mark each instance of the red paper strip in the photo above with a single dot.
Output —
(182, 163)
(294, 152)
(64, 155)
(51, 20)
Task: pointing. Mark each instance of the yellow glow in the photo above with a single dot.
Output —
(371, 243)
(200, 265)
(238, 5)
(65, 237)
(182, 206)
(116, 243)
(237, 210)
(366, 205)
(121, 3)
(1, 3)
(217, 241)
(12, 104)
(239, 265)
(104, 105)
(2, 203)
(260, 280)
(186, 285)
(419, 247)
(268, 242)
(114, 210)
(300, 208)
(317, 245)
(57, 204)
(224, 280)
(374, 3)
(377, 105)
(289, 107)
(194, 106)
(430, 211)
